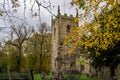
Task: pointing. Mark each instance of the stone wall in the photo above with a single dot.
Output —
(118, 72)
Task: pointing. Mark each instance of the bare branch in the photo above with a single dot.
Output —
(32, 8)
(24, 10)
(45, 7)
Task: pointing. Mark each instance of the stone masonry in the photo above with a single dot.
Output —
(61, 61)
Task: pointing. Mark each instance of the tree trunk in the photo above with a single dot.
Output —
(9, 75)
(31, 75)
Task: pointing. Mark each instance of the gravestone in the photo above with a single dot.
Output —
(106, 73)
(99, 74)
(118, 71)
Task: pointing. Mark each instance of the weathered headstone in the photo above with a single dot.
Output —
(106, 73)
(118, 71)
(99, 74)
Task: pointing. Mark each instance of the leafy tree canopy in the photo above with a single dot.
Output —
(100, 36)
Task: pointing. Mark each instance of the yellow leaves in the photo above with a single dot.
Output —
(86, 24)
(76, 20)
(111, 2)
(72, 48)
(81, 57)
(110, 17)
(96, 14)
(78, 42)
(104, 59)
(105, 31)
(97, 54)
(74, 2)
(76, 31)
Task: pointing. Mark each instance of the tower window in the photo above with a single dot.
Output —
(68, 29)
(61, 42)
(54, 32)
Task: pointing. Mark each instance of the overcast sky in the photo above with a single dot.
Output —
(65, 7)
(45, 15)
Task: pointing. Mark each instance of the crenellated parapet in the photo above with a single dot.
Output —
(64, 16)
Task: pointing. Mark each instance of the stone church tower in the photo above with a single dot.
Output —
(61, 61)
(61, 26)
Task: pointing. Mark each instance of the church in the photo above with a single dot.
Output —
(61, 60)
(61, 26)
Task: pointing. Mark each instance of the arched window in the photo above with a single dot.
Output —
(54, 32)
(68, 29)
(61, 42)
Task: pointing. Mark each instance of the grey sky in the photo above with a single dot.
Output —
(45, 15)
(65, 7)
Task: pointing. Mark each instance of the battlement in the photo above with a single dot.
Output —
(64, 16)
(71, 16)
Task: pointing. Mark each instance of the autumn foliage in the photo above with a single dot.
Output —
(100, 36)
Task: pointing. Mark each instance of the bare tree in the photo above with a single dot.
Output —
(19, 34)
(10, 7)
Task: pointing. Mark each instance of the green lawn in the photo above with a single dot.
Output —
(37, 77)
(68, 76)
